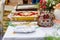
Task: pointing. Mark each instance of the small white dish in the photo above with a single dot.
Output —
(24, 29)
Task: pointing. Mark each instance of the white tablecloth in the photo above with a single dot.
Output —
(38, 35)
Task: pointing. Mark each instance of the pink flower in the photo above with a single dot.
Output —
(42, 4)
(44, 7)
(41, 1)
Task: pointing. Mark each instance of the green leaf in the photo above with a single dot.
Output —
(58, 38)
(48, 38)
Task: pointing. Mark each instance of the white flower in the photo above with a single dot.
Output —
(50, 5)
(53, 2)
